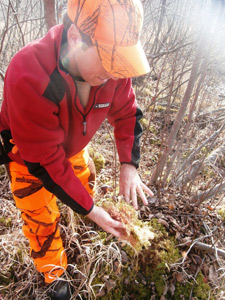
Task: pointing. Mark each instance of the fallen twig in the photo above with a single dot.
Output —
(209, 248)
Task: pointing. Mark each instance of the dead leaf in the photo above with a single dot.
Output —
(105, 188)
(179, 277)
(101, 293)
(212, 273)
(110, 284)
(163, 222)
(205, 280)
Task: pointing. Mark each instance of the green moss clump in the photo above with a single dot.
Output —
(142, 270)
(7, 222)
(185, 154)
(129, 283)
(98, 159)
(143, 274)
(169, 252)
(200, 291)
(160, 108)
(103, 236)
(155, 142)
(221, 213)
(155, 275)
(18, 257)
(208, 172)
(153, 130)
(204, 151)
(155, 262)
(145, 123)
(2, 170)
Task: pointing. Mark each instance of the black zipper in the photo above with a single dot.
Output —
(85, 115)
(84, 125)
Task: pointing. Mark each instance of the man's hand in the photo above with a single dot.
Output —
(103, 219)
(131, 184)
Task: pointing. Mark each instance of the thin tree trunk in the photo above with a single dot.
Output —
(198, 89)
(177, 123)
(49, 9)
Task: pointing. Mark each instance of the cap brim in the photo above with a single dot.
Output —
(123, 61)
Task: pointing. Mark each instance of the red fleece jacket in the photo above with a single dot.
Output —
(42, 113)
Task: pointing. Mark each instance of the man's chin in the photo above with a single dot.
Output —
(97, 82)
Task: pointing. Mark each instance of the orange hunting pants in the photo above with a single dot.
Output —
(41, 215)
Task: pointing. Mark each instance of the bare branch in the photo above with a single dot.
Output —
(17, 22)
(191, 157)
(218, 189)
(209, 248)
(5, 30)
(2, 75)
(160, 54)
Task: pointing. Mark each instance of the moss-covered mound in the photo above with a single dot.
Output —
(145, 273)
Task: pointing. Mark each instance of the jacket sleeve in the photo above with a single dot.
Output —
(36, 130)
(124, 115)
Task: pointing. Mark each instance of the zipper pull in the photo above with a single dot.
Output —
(85, 126)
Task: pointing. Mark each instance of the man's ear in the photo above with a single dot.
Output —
(73, 35)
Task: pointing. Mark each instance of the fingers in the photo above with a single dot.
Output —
(142, 195)
(116, 224)
(115, 232)
(130, 195)
(105, 221)
(131, 185)
(134, 198)
(126, 195)
(146, 189)
(114, 227)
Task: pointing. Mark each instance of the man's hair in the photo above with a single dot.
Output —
(85, 38)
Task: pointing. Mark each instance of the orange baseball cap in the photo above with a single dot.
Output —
(114, 27)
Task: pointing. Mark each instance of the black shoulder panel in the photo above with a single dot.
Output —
(135, 156)
(56, 88)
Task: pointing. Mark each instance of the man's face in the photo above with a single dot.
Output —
(84, 62)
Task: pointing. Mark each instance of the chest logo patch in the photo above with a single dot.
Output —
(102, 105)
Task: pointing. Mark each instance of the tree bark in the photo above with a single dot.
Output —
(49, 11)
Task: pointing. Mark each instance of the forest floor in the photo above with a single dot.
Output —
(174, 266)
